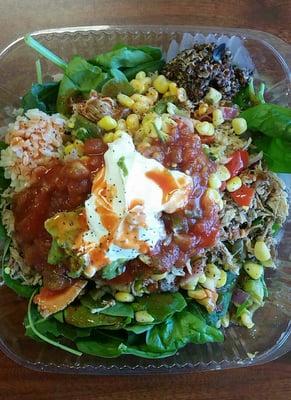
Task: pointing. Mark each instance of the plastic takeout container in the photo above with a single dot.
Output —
(271, 337)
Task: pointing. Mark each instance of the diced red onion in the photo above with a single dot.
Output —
(229, 113)
(239, 296)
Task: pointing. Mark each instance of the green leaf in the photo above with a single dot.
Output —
(117, 84)
(103, 306)
(122, 166)
(85, 129)
(247, 96)
(101, 345)
(113, 269)
(41, 96)
(56, 253)
(271, 132)
(80, 77)
(151, 66)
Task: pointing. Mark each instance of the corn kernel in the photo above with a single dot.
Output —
(138, 85)
(124, 297)
(121, 124)
(190, 283)
(217, 117)
(161, 84)
(111, 136)
(203, 107)
(209, 284)
(199, 294)
(107, 123)
(222, 279)
(213, 195)
(181, 95)
(141, 107)
(140, 98)
(173, 88)
(246, 319)
(233, 184)
(144, 317)
(213, 96)
(152, 94)
(124, 100)
(69, 149)
(211, 271)
(254, 270)
(223, 173)
(239, 125)
(225, 320)
(159, 277)
(202, 278)
(167, 94)
(261, 251)
(269, 264)
(214, 182)
(140, 75)
(132, 122)
(205, 128)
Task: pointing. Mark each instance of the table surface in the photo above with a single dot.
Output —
(271, 381)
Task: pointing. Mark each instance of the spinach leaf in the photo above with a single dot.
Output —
(182, 328)
(17, 285)
(104, 307)
(271, 127)
(4, 183)
(80, 77)
(101, 345)
(117, 84)
(82, 317)
(160, 305)
(223, 301)
(85, 129)
(41, 96)
(113, 269)
(248, 96)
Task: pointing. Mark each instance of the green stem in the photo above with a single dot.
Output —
(35, 45)
(38, 72)
(260, 93)
(44, 338)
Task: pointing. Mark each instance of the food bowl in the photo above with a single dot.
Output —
(271, 336)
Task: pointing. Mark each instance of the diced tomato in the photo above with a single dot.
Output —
(243, 196)
(239, 161)
(207, 139)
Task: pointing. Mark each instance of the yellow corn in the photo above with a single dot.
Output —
(147, 82)
(167, 94)
(181, 95)
(159, 277)
(141, 107)
(223, 173)
(222, 279)
(213, 195)
(140, 98)
(107, 123)
(190, 283)
(261, 251)
(254, 270)
(152, 94)
(77, 146)
(138, 85)
(203, 107)
(202, 278)
(140, 75)
(161, 84)
(144, 317)
(213, 96)
(111, 136)
(199, 294)
(121, 124)
(124, 100)
(173, 88)
(269, 264)
(217, 117)
(124, 297)
(205, 128)
(239, 125)
(233, 184)
(246, 320)
(214, 182)
(132, 122)
(225, 321)
(209, 283)
(212, 271)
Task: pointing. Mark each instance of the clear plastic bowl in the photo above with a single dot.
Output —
(271, 337)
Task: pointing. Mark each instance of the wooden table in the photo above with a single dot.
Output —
(268, 382)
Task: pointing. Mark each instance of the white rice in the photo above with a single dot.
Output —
(33, 140)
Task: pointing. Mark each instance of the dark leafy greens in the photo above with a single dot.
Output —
(270, 125)
(42, 96)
